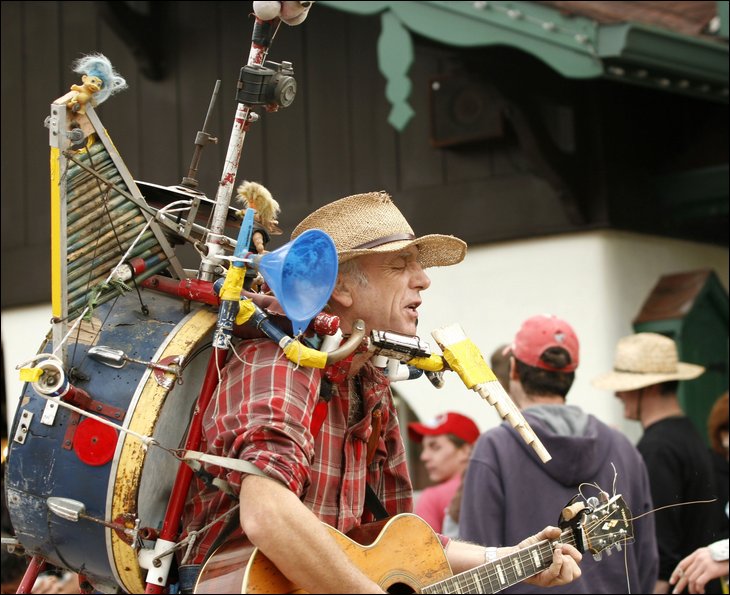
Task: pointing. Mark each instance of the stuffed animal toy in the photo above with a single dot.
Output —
(99, 82)
(291, 13)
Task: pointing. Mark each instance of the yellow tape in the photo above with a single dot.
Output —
(305, 356)
(56, 288)
(433, 363)
(246, 309)
(233, 284)
(466, 360)
(30, 374)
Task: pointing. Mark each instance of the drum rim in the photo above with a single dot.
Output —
(128, 461)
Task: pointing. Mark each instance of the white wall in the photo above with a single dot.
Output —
(23, 332)
(597, 281)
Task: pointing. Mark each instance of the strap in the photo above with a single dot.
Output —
(374, 505)
(396, 237)
(194, 458)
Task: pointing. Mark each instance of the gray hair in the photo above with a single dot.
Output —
(350, 269)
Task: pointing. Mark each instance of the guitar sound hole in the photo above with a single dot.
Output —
(400, 588)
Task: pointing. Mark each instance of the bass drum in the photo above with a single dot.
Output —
(109, 474)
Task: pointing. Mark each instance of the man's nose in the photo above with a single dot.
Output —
(421, 279)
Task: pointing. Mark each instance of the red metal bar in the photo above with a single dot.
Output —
(35, 567)
(189, 289)
(171, 525)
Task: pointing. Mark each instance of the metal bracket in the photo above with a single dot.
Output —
(49, 413)
(23, 426)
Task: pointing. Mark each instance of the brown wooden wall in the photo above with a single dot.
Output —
(333, 141)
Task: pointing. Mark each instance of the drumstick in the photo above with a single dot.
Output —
(466, 360)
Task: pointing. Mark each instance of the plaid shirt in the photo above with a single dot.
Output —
(262, 411)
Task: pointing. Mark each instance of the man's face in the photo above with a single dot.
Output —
(391, 298)
(630, 399)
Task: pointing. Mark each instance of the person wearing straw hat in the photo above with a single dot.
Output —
(507, 487)
(264, 405)
(645, 377)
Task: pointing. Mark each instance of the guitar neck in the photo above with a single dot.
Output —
(504, 572)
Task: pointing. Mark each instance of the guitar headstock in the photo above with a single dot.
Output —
(606, 525)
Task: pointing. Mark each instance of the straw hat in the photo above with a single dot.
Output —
(644, 359)
(367, 223)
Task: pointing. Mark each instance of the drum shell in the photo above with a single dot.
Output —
(136, 482)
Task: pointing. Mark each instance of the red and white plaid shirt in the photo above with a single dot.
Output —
(261, 413)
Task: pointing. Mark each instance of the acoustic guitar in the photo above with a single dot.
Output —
(406, 556)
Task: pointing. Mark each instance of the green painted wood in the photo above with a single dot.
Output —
(575, 47)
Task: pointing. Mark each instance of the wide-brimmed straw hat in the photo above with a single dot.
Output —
(371, 223)
(644, 359)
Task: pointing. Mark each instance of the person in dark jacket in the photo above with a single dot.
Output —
(507, 489)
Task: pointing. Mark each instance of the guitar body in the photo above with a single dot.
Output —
(405, 556)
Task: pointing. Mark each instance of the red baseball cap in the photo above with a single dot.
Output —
(541, 332)
(447, 423)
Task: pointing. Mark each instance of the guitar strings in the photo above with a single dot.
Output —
(653, 510)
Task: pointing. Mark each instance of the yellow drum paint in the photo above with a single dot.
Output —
(56, 300)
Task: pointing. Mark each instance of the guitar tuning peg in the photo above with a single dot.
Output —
(598, 556)
(609, 551)
(618, 547)
(592, 502)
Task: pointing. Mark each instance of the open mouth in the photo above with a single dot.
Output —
(413, 307)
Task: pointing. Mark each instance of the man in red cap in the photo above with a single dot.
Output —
(447, 442)
(507, 488)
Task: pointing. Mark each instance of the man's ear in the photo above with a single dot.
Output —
(341, 294)
(513, 369)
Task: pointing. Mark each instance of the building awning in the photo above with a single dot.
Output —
(672, 46)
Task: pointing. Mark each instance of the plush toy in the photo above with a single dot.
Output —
(254, 195)
(99, 82)
(291, 13)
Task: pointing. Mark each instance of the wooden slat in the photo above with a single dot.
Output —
(421, 166)
(41, 22)
(198, 50)
(13, 189)
(374, 142)
(326, 94)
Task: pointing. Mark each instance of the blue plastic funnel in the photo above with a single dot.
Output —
(302, 275)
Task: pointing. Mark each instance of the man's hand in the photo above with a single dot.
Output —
(564, 568)
(695, 570)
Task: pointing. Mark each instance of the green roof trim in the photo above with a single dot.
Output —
(574, 46)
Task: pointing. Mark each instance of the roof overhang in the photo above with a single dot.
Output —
(574, 46)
